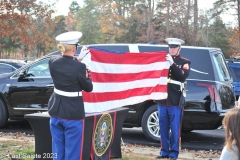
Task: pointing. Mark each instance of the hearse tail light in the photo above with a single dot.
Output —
(212, 90)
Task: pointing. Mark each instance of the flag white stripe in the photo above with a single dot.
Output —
(107, 105)
(127, 68)
(122, 86)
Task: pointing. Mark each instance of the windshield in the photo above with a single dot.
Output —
(221, 66)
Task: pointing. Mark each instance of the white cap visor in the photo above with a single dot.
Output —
(174, 42)
(69, 37)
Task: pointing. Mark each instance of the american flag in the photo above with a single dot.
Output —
(125, 79)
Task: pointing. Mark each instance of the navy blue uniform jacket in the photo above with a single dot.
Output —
(177, 73)
(68, 75)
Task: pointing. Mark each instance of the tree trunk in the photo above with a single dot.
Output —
(8, 52)
(195, 22)
(186, 22)
(168, 17)
(238, 3)
(149, 20)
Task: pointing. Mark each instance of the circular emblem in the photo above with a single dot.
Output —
(103, 134)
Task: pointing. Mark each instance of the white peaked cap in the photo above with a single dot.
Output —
(174, 41)
(69, 37)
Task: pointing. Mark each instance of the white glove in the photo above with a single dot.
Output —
(169, 59)
(87, 61)
(84, 52)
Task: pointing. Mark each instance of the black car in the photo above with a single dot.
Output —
(209, 97)
(9, 65)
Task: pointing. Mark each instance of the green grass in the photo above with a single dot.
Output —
(20, 150)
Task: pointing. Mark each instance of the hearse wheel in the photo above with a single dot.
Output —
(150, 124)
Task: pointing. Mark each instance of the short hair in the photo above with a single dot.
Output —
(65, 47)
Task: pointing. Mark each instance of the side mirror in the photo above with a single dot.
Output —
(24, 77)
(22, 74)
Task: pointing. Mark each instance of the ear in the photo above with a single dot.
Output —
(74, 49)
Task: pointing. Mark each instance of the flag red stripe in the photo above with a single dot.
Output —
(93, 97)
(125, 79)
(110, 77)
(128, 58)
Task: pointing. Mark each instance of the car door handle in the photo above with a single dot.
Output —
(50, 85)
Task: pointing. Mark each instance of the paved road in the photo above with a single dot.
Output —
(17, 126)
(196, 140)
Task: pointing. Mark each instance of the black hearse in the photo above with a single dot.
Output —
(209, 97)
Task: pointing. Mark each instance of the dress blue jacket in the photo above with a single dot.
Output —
(68, 75)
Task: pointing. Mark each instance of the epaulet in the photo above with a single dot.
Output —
(184, 58)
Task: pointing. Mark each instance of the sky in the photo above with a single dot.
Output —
(63, 8)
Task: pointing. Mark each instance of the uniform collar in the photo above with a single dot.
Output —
(66, 56)
(176, 57)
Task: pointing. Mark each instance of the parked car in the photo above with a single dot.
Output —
(234, 67)
(10, 65)
(209, 97)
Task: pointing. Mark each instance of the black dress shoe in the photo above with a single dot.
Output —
(171, 158)
(161, 157)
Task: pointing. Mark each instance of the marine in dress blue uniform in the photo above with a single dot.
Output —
(170, 110)
(66, 106)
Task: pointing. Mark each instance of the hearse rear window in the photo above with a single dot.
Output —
(221, 67)
(201, 65)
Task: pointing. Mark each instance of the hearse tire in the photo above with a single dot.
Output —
(3, 114)
(151, 115)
